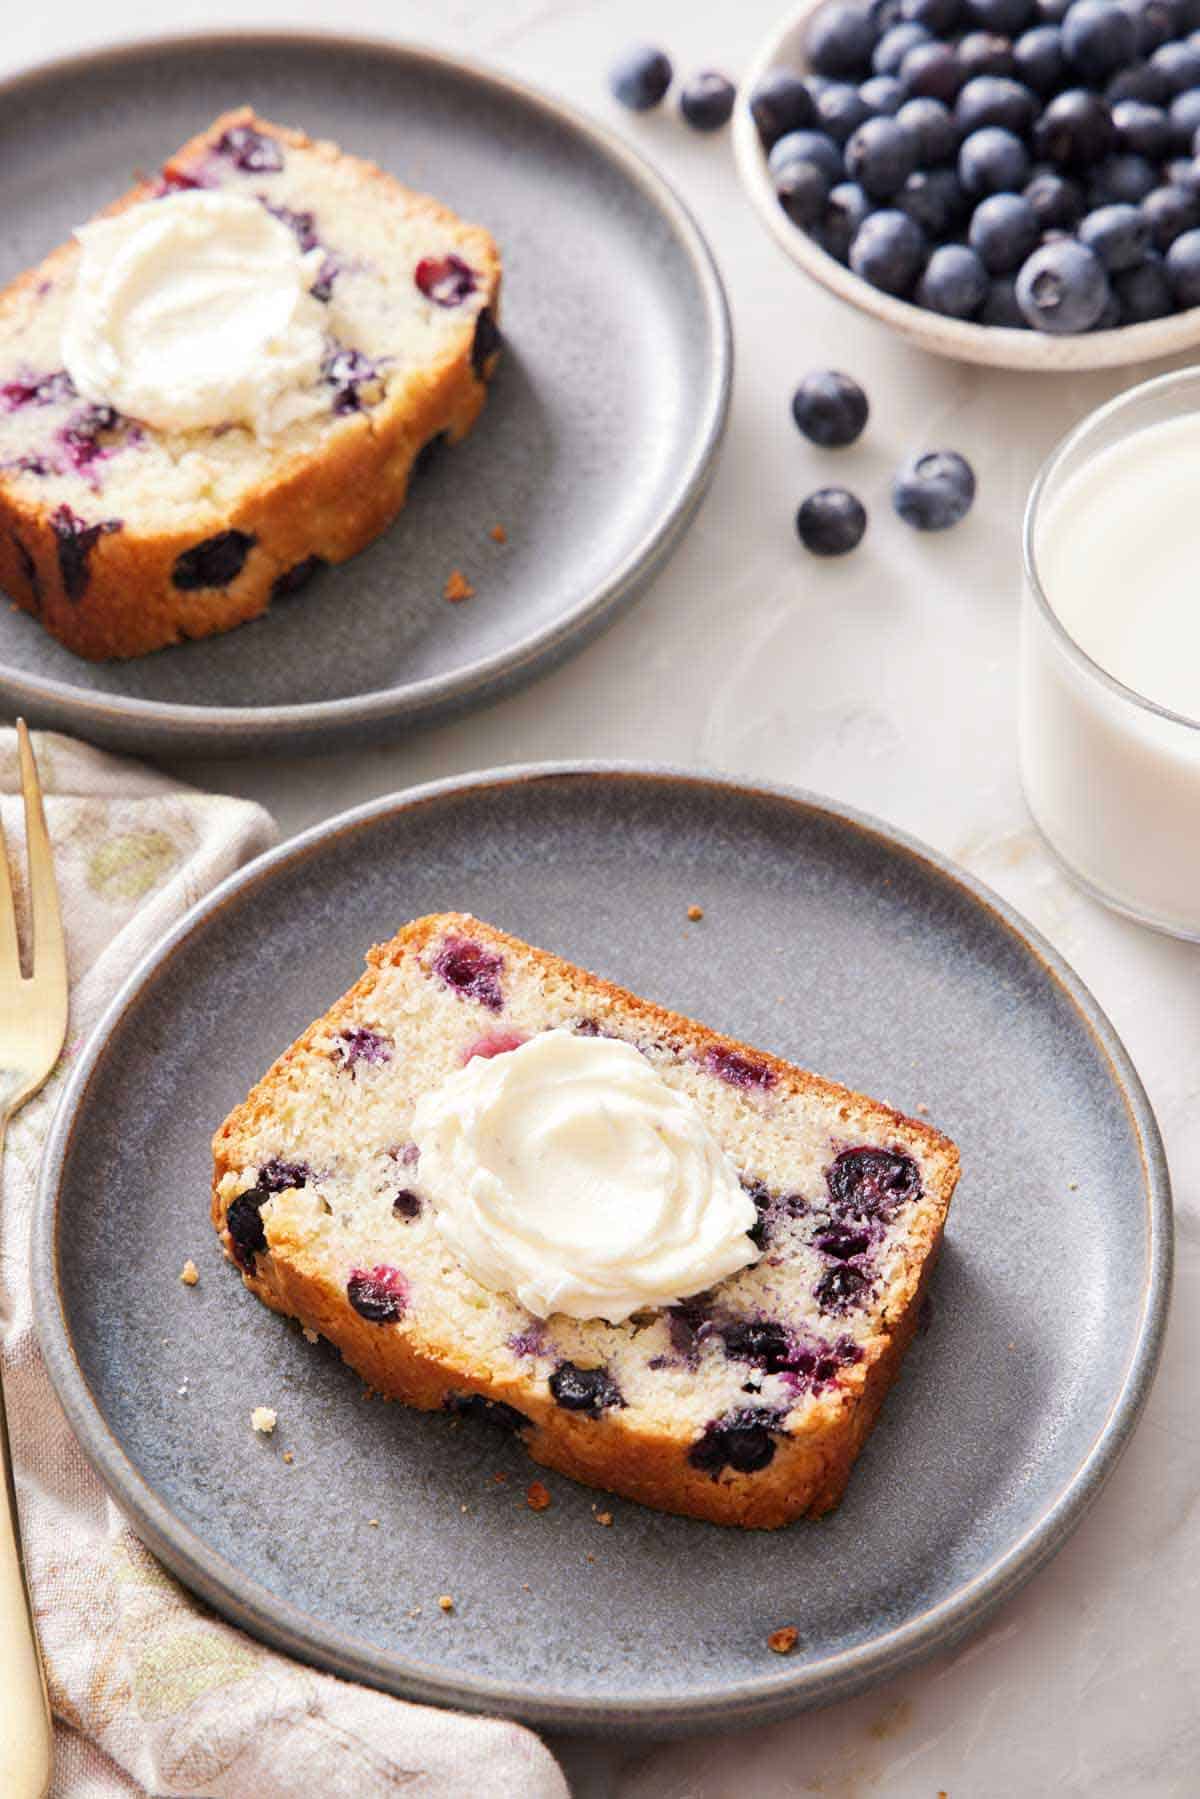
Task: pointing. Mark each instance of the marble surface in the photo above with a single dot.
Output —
(887, 682)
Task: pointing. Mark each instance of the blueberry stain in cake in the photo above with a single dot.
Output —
(81, 438)
(359, 1045)
(29, 570)
(487, 1411)
(407, 1205)
(760, 1341)
(471, 970)
(302, 225)
(841, 1288)
(590, 1390)
(348, 372)
(407, 1154)
(740, 1440)
(496, 1043)
(250, 151)
(486, 342)
(737, 1070)
(298, 576)
(76, 540)
(842, 1243)
(213, 563)
(689, 1325)
(243, 1221)
(378, 1294)
(446, 280)
(872, 1183)
(53, 389)
(327, 274)
(277, 1176)
(528, 1342)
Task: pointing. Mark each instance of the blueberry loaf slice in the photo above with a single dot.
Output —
(158, 496)
(742, 1403)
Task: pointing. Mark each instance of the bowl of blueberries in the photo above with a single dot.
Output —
(1007, 182)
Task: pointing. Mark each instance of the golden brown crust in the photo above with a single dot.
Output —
(328, 504)
(809, 1471)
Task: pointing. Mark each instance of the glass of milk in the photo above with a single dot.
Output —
(1110, 653)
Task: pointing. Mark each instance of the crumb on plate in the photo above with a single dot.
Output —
(498, 534)
(263, 1419)
(288, 1457)
(537, 1497)
(457, 587)
(446, 1603)
(604, 1517)
(310, 1336)
(189, 1274)
(695, 913)
(783, 1641)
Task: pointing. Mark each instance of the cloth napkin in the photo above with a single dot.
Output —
(151, 1692)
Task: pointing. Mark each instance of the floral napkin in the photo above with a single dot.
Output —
(151, 1692)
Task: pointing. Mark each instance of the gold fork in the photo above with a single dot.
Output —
(33, 1023)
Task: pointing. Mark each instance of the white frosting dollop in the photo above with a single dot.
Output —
(194, 310)
(569, 1174)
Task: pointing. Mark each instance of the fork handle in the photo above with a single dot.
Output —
(26, 1736)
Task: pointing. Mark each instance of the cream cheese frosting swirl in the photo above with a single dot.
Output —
(569, 1174)
(194, 311)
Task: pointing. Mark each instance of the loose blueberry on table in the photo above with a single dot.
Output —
(934, 491)
(640, 78)
(830, 409)
(707, 101)
(831, 522)
(928, 137)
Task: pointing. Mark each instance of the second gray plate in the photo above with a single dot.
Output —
(594, 449)
(824, 937)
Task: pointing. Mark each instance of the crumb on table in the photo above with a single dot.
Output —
(288, 1457)
(446, 1603)
(498, 534)
(783, 1641)
(604, 1517)
(263, 1419)
(695, 913)
(537, 1497)
(189, 1274)
(310, 1336)
(457, 587)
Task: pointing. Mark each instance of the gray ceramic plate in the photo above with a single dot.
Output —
(594, 450)
(824, 937)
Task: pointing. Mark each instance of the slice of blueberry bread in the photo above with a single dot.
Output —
(746, 1404)
(122, 538)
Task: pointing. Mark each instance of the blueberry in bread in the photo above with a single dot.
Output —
(224, 383)
(362, 1187)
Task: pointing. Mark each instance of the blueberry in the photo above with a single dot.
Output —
(736, 1069)
(298, 576)
(1184, 120)
(486, 1411)
(841, 109)
(843, 1243)
(1002, 16)
(763, 1342)
(706, 101)
(934, 201)
(360, 1045)
(1074, 131)
(954, 282)
(485, 343)
(471, 970)
(250, 151)
(931, 492)
(739, 1440)
(1139, 82)
(830, 409)
(1052, 11)
(1179, 65)
(1184, 171)
(831, 522)
(1004, 230)
(54, 389)
(1142, 129)
(992, 161)
(808, 146)
(995, 100)
(932, 129)
(881, 156)
(213, 563)
(845, 211)
(1122, 180)
(406, 1205)
(802, 189)
(895, 45)
(1038, 55)
(640, 78)
(1144, 293)
(1110, 318)
(867, 1182)
(932, 70)
(380, 1295)
(939, 16)
(349, 371)
(983, 53)
(1098, 39)
(1118, 235)
(1062, 288)
(1183, 269)
(1000, 307)
(839, 41)
(840, 1289)
(446, 280)
(277, 1176)
(884, 95)
(781, 103)
(1169, 212)
(883, 14)
(1154, 22)
(243, 1221)
(589, 1390)
(1057, 201)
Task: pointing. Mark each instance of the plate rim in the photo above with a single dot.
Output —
(250, 1605)
(307, 726)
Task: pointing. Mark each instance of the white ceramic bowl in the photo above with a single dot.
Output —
(992, 345)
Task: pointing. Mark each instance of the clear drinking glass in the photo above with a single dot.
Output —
(1112, 778)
